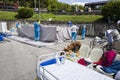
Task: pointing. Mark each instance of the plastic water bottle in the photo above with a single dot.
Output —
(63, 56)
(63, 60)
(57, 59)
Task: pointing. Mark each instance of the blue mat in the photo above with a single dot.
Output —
(49, 62)
(5, 34)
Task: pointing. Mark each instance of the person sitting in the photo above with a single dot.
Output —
(107, 57)
(114, 68)
(107, 63)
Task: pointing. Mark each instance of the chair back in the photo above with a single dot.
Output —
(95, 54)
(84, 51)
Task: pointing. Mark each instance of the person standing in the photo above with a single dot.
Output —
(74, 29)
(69, 23)
(18, 24)
(36, 31)
(83, 31)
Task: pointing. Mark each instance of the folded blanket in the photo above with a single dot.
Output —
(113, 68)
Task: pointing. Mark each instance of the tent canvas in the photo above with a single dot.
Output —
(26, 31)
(3, 27)
(48, 33)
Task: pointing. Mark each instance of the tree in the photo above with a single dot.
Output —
(111, 10)
(52, 5)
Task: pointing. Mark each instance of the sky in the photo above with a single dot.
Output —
(82, 1)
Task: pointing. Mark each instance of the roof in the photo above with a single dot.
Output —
(96, 3)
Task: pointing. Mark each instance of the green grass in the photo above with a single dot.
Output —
(75, 18)
(8, 15)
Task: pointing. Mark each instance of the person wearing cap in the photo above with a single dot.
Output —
(69, 23)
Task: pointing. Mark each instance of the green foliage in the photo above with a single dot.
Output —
(81, 7)
(111, 11)
(25, 13)
(8, 15)
(52, 5)
(74, 18)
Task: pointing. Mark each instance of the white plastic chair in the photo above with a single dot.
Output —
(117, 57)
(84, 51)
(95, 55)
(40, 71)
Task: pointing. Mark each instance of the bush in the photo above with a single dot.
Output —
(25, 13)
(111, 11)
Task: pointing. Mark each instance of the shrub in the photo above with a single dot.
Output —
(25, 13)
(111, 11)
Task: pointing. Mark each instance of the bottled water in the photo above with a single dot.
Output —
(62, 54)
(60, 58)
(57, 59)
(63, 60)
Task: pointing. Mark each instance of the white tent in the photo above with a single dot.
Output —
(47, 33)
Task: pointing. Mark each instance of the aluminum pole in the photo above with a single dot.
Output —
(39, 9)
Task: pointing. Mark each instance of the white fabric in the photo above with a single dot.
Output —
(108, 31)
(26, 31)
(115, 32)
(74, 28)
(72, 71)
(48, 33)
(3, 27)
(118, 22)
(63, 33)
(117, 77)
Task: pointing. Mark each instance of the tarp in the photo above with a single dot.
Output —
(26, 31)
(3, 27)
(48, 33)
(64, 33)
